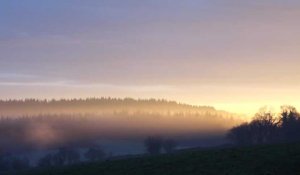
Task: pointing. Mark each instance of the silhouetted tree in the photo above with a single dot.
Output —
(289, 123)
(262, 129)
(153, 144)
(240, 135)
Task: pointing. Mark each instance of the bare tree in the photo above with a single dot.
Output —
(262, 129)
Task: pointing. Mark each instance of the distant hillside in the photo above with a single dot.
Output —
(32, 124)
(264, 160)
(100, 106)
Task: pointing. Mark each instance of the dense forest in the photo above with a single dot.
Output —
(99, 106)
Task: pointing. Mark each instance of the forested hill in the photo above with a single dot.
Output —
(35, 123)
(101, 106)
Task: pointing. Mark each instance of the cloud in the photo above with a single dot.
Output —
(80, 85)
(16, 75)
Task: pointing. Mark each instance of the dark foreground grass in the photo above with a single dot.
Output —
(265, 160)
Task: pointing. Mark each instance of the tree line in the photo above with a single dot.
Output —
(267, 127)
(98, 105)
(62, 157)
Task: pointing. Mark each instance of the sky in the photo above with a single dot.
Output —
(234, 55)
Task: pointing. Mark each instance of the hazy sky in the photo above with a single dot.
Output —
(232, 54)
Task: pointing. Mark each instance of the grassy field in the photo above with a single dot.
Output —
(265, 160)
